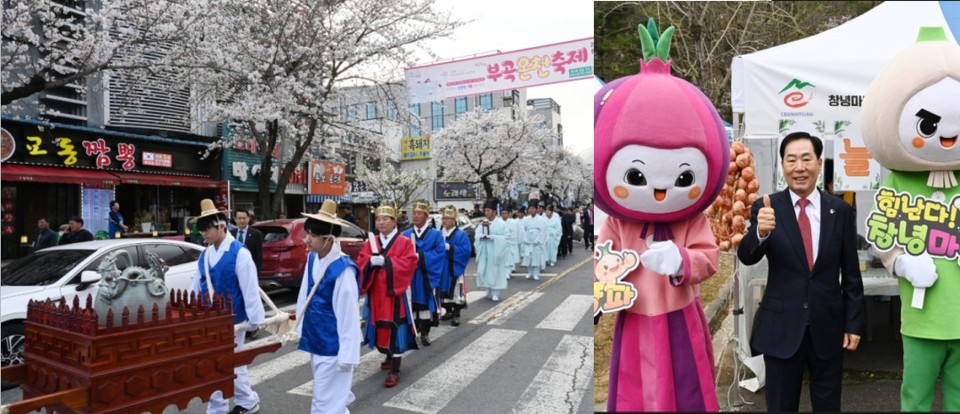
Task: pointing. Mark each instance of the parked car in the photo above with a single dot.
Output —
(463, 223)
(285, 252)
(55, 273)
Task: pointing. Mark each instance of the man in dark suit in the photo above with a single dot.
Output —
(808, 314)
(45, 236)
(249, 236)
(586, 221)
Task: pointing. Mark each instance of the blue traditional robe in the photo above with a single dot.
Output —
(430, 268)
(457, 258)
(492, 266)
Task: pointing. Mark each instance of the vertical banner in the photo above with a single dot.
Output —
(535, 66)
(328, 178)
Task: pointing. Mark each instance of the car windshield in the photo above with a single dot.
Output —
(273, 233)
(42, 268)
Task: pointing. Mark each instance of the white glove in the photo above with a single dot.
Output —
(376, 261)
(663, 257)
(919, 270)
(447, 246)
(290, 337)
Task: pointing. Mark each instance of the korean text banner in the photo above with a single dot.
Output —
(415, 148)
(328, 178)
(543, 65)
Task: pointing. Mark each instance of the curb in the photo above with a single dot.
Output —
(716, 310)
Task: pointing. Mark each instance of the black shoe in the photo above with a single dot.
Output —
(240, 410)
(456, 321)
(447, 316)
(425, 340)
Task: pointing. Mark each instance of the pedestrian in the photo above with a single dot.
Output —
(566, 224)
(554, 233)
(403, 221)
(45, 236)
(586, 221)
(387, 263)
(226, 268)
(75, 232)
(491, 245)
(116, 226)
(453, 287)
(512, 256)
(249, 236)
(534, 237)
(431, 257)
(330, 327)
(809, 314)
(349, 216)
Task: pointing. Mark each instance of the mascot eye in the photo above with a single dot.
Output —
(926, 127)
(635, 177)
(685, 179)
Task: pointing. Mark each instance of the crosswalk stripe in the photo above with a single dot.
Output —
(265, 371)
(436, 389)
(566, 316)
(369, 363)
(561, 383)
(500, 313)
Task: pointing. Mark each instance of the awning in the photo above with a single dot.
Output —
(318, 199)
(29, 173)
(166, 180)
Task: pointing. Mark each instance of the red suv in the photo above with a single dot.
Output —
(285, 253)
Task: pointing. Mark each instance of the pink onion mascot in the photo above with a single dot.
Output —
(661, 155)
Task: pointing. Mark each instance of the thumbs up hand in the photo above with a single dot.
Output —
(766, 220)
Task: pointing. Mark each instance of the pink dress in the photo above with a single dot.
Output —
(662, 356)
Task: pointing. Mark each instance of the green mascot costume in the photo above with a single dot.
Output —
(911, 123)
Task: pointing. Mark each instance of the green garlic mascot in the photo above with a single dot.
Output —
(911, 121)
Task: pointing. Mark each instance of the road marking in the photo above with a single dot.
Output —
(561, 383)
(433, 391)
(369, 363)
(566, 316)
(515, 299)
(267, 370)
(500, 313)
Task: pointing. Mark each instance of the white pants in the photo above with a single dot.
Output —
(331, 387)
(243, 394)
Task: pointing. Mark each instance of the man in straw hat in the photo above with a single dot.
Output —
(227, 268)
(430, 267)
(330, 327)
(387, 263)
(491, 243)
(453, 290)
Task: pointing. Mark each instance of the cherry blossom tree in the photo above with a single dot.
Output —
(276, 65)
(391, 185)
(48, 44)
(494, 148)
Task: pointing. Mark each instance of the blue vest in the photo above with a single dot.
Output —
(224, 278)
(319, 329)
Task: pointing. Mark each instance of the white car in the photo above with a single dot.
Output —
(55, 273)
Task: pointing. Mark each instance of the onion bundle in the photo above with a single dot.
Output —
(730, 212)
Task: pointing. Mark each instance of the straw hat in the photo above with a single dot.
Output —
(422, 206)
(327, 213)
(207, 208)
(387, 210)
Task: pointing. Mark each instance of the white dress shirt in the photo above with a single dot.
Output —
(813, 214)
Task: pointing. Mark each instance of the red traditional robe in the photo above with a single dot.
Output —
(386, 287)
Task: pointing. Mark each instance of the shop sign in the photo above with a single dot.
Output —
(157, 159)
(328, 178)
(455, 191)
(415, 148)
(8, 145)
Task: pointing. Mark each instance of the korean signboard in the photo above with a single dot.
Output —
(415, 148)
(454, 191)
(543, 65)
(328, 178)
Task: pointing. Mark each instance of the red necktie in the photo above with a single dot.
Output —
(805, 234)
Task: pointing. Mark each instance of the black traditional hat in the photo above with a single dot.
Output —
(532, 203)
(491, 203)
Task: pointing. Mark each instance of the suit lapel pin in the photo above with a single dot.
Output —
(831, 211)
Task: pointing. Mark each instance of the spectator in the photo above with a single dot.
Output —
(45, 237)
(76, 232)
(116, 226)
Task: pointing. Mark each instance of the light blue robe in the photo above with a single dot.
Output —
(554, 232)
(492, 264)
(534, 239)
(512, 255)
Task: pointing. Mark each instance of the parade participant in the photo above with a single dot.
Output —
(554, 232)
(45, 236)
(431, 259)
(513, 253)
(330, 327)
(76, 233)
(910, 122)
(453, 288)
(661, 158)
(518, 225)
(490, 241)
(387, 263)
(226, 268)
(116, 227)
(534, 237)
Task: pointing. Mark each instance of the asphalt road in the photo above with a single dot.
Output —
(532, 352)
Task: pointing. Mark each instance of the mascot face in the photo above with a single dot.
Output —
(640, 178)
(930, 122)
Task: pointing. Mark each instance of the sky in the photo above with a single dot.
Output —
(517, 24)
